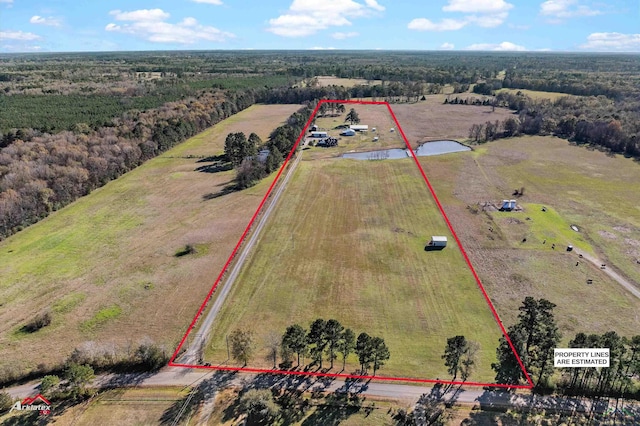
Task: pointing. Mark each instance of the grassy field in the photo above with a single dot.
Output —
(430, 119)
(142, 406)
(578, 186)
(347, 242)
(536, 94)
(328, 80)
(105, 266)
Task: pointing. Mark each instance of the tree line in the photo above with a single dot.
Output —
(612, 125)
(536, 335)
(324, 340)
(242, 152)
(41, 173)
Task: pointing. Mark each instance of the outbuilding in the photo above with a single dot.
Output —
(348, 132)
(438, 241)
(359, 127)
(317, 134)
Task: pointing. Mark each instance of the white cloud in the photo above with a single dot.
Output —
(490, 20)
(150, 25)
(6, 1)
(613, 42)
(477, 6)
(373, 4)
(485, 13)
(18, 35)
(41, 20)
(306, 17)
(322, 48)
(447, 46)
(423, 24)
(140, 15)
(557, 10)
(342, 36)
(216, 2)
(505, 46)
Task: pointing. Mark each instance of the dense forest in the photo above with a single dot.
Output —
(69, 123)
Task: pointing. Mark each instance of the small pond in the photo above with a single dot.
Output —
(426, 149)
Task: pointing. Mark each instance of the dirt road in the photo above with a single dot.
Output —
(192, 355)
(613, 274)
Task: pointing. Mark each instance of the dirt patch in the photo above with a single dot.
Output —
(623, 229)
(608, 235)
(513, 221)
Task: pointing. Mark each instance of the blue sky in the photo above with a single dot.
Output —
(514, 25)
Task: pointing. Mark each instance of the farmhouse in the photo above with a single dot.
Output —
(359, 127)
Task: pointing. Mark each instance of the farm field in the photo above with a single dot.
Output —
(106, 265)
(536, 94)
(431, 120)
(329, 80)
(577, 186)
(347, 242)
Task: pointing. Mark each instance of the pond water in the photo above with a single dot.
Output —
(426, 149)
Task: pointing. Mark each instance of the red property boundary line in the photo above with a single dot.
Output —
(302, 373)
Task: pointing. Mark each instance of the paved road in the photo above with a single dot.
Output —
(191, 356)
(211, 381)
(613, 274)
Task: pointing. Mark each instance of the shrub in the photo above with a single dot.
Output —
(39, 321)
(49, 384)
(6, 402)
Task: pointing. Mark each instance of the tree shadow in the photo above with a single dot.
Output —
(337, 408)
(213, 158)
(215, 168)
(230, 188)
(186, 407)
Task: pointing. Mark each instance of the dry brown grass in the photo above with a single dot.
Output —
(327, 80)
(431, 120)
(116, 247)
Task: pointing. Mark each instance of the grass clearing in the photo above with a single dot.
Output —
(539, 227)
(536, 94)
(347, 242)
(431, 119)
(116, 247)
(329, 80)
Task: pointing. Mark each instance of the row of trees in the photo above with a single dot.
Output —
(242, 151)
(331, 338)
(324, 340)
(581, 120)
(618, 379)
(536, 335)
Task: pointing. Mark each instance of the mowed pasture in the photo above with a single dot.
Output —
(578, 186)
(106, 265)
(347, 241)
(431, 119)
